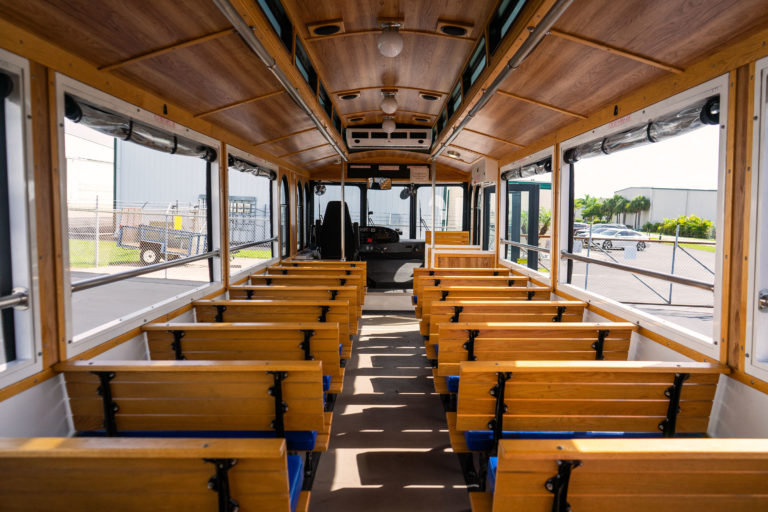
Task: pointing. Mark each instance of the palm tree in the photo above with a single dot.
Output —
(615, 205)
(637, 205)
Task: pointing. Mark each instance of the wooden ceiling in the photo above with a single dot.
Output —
(187, 52)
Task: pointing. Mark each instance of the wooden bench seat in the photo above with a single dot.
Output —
(448, 237)
(308, 280)
(280, 311)
(250, 341)
(161, 475)
(278, 292)
(567, 397)
(324, 263)
(510, 341)
(465, 271)
(422, 281)
(429, 294)
(354, 274)
(453, 311)
(632, 475)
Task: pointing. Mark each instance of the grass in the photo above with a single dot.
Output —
(259, 254)
(708, 248)
(82, 254)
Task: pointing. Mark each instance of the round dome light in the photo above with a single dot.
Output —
(390, 41)
(389, 103)
(388, 125)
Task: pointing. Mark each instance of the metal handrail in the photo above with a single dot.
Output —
(524, 246)
(18, 299)
(98, 281)
(251, 244)
(644, 272)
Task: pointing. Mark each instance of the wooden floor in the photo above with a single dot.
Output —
(389, 449)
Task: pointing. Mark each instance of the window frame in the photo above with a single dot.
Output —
(300, 227)
(688, 338)
(27, 327)
(284, 224)
(85, 341)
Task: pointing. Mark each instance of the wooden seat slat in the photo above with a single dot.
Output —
(431, 294)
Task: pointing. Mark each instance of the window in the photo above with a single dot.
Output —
(304, 65)
(449, 201)
(285, 219)
(336, 121)
(454, 101)
(332, 192)
(136, 195)
(528, 211)
(390, 208)
(441, 122)
(279, 20)
(476, 215)
(325, 101)
(299, 216)
(489, 218)
(660, 178)
(475, 66)
(501, 21)
(250, 213)
(19, 334)
(307, 215)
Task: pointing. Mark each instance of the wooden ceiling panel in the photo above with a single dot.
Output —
(595, 77)
(264, 120)
(299, 159)
(295, 143)
(205, 76)
(675, 32)
(483, 145)
(370, 101)
(108, 31)
(416, 14)
(521, 122)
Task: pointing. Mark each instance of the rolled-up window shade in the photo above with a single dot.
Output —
(6, 86)
(701, 113)
(123, 127)
(251, 168)
(541, 167)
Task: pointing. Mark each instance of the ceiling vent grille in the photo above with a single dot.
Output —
(376, 138)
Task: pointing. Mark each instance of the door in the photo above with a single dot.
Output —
(522, 223)
(489, 217)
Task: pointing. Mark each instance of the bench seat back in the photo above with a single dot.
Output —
(442, 292)
(682, 475)
(308, 280)
(125, 475)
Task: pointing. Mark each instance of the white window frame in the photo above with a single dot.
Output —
(27, 332)
(98, 335)
(231, 150)
(708, 346)
(534, 157)
(753, 365)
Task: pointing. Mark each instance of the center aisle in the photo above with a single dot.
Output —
(389, 448)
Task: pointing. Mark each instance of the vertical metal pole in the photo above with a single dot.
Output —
(97, 232)
(674, 251)
(586, 266)
(343, 214)
(433, 171)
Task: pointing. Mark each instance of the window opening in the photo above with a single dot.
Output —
(250, 213)
(299, 216)
(285, 219)
(501, 21)
(489, 218)
(304, 65)
(449, 201)
(279, 20)
(475, 66)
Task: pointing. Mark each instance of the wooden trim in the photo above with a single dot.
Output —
(240, 103)
(25, 384)
(473, 151)
(318, 159)
(30, 46)
(554, 247)
(224, 213)
(497, 139)
(161, 51)
(749, 380)
(735, 103)
(379, 87)
(283, 137)
(541, 104)
(616, 51)
(366, 32)
(304, 150)
(399, 111)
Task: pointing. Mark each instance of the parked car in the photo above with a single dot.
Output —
(622, 238)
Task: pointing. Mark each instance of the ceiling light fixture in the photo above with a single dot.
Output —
(389, 103)
(453, 154)
(390, 41)
(388, 125)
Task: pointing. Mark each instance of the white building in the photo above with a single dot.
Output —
(669, 203)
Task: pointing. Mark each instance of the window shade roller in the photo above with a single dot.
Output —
(701, 113)
(6, 86)
(541, 167)
(251, 168)
(125, 128)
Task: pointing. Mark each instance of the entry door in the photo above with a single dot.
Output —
(489, 217)
(522, 222)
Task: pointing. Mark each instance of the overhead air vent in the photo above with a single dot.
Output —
(429, 96)
(376, 138)
(326, 28)
(453, 28)
(349, 95)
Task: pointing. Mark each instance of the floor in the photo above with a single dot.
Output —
(389, 447)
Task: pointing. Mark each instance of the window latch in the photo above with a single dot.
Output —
(762, 300)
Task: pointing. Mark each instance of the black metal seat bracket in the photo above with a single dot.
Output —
(456, 312)
(531, 295)
(306, 346)
(110, 407)
(497, 423)
(669, 424)
(249, 294)
(599, 345)
(469, 345)
(268, 280)
(559, 316)
(558, 484)
(220, 309)
(431, 273)
(312, 460)
(219, 483)
(444, 294)
(334, 293)
(276, 391)
(176, 344)
(285, 271)
(342, 282)
(436, 282)
(323, 312)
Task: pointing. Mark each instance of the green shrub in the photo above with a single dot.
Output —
(650, 227)
(691, 226)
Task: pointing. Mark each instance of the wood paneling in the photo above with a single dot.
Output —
(296, 143)
(370, 100)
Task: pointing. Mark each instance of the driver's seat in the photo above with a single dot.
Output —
(329, 236)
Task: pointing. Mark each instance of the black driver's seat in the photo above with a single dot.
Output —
(329, 237)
